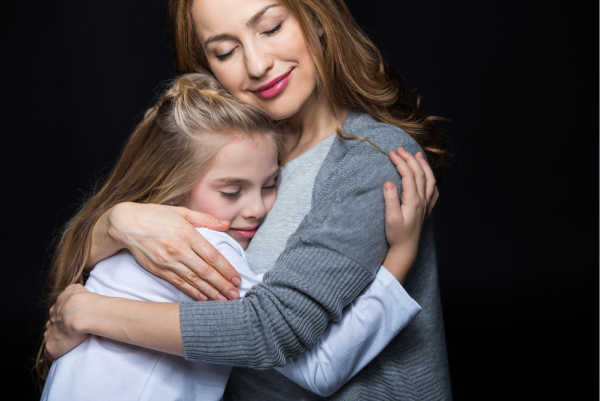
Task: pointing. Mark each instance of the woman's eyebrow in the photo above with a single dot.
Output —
(251, 22)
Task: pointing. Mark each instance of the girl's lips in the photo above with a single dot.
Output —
(275, 87)
(242, 233)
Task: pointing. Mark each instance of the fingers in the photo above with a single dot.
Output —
(415, 166)
(430, 183)
(215, 269)
(409, 189)
(433, 202)
(198, 219)
(393, 211)
(181, 277)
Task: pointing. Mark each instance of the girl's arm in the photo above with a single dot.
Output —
(311, 285)
(367, 327)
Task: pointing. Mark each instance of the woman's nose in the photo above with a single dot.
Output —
(258, 62)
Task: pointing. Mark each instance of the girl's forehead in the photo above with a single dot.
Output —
(254, 156)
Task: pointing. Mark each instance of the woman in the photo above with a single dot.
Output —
(308, 63)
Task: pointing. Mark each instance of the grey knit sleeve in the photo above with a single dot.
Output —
(327, 263)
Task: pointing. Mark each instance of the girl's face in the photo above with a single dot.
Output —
(258, 52)
(239, 185)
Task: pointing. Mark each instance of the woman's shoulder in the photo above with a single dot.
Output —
(385, 136)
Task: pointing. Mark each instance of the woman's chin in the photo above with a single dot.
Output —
(281, 111)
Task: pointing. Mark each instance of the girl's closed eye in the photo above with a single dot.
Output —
(231, 193)
(269, 188)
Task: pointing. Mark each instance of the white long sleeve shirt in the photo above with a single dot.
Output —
(102, 369)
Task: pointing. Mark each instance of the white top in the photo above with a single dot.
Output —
(101, 369)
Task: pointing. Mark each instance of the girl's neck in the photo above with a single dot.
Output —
(316, 120)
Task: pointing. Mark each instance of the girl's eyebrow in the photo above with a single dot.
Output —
(251, 22)
(231, 181)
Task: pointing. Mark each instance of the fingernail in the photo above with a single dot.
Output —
(236, 281)
(233, 294)
(221, 298)
(388, 186)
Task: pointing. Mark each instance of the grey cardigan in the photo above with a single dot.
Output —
(328, 261)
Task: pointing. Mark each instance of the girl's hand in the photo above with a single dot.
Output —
(62, 333)
(164, 241)
(404, 220)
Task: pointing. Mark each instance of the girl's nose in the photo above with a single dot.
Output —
(255, 209)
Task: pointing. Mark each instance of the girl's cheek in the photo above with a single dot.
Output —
(271, 201)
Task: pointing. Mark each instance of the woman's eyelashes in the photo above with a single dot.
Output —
(224, 56)
(272, 31)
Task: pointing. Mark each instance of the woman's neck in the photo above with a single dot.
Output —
(315, 121)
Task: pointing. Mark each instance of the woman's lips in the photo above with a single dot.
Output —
(243, 233)
(275, 87)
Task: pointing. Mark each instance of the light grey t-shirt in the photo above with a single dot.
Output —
(290, 207)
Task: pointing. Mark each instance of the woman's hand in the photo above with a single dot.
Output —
(404, 220)
(62, 333)
(164, 241)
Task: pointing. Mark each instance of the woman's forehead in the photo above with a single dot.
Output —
(214, 17)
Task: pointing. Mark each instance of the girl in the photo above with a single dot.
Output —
(306, 62)
(214, 146)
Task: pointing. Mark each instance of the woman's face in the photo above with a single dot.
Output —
(258, 52)
(239, 185)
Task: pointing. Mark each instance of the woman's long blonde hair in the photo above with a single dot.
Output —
(165, 155)
(352, 72)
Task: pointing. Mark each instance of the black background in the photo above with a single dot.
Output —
(518, 217)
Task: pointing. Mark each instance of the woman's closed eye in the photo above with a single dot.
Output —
(273, 30)
(224, 56)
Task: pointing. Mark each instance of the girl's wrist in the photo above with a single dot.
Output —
(398, 262)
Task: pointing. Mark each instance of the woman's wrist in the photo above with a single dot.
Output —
(105, 239)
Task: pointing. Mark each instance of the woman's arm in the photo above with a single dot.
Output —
(385, 308)
(311, 285)
(366, 328)
(163, 240)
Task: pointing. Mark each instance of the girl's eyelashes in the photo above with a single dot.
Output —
(231, 194)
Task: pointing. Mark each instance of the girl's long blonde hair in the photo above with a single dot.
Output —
(352, 72)
(165, 155)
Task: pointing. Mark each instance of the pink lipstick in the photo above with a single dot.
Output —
(275, 87)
